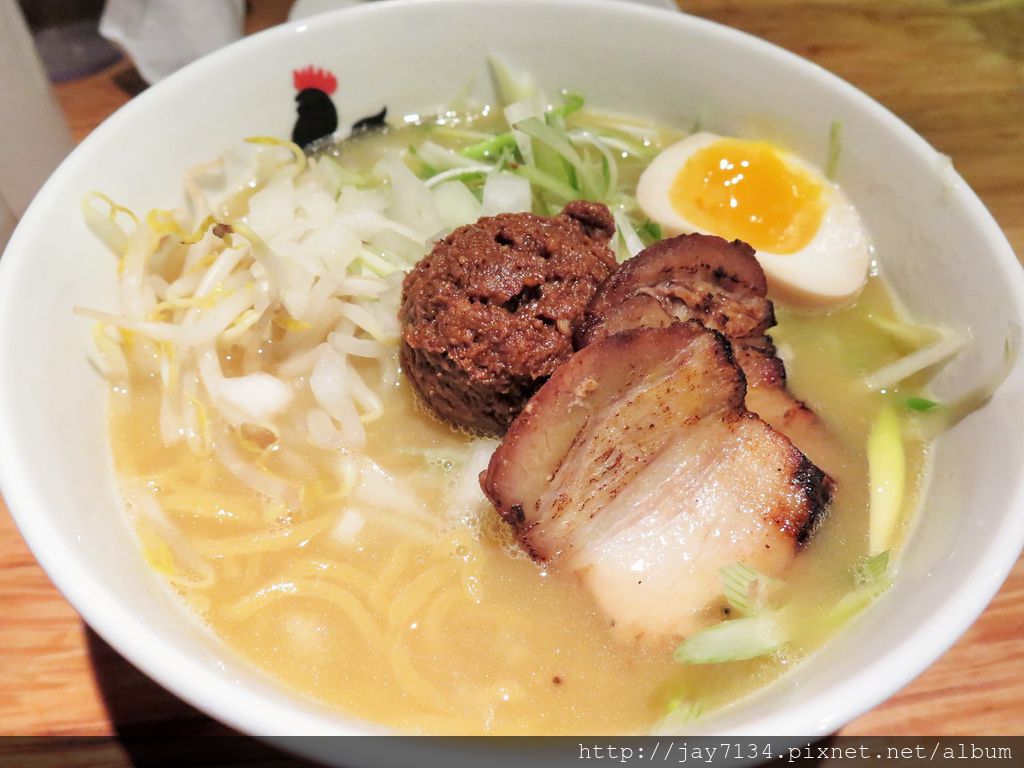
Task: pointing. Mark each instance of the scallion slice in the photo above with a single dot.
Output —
(586, 178)
(745, 588)
(680, 713)
(735, 640)
(886, 471)
(920, 404)
(874, 569)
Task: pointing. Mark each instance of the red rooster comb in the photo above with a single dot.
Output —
(313, 77)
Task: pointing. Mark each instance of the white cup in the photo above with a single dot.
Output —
(33, 135)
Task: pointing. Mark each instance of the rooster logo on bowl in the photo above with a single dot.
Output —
(317, 114)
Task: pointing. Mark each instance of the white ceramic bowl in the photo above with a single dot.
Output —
(937, 244)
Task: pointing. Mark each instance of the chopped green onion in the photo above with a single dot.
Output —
(835, 148)
(680, 712)
(873, 579)
(874, 569)
(886, 471)
(547, 182)
(650, 231)
(456, 133)
(609, 167)
(506, 160)
(552, 137)
(920, 404)
(735, 640)
(856, 601)
(491, 146)
(744, 587)
(557, 140)
(622, 145)
(571, 102)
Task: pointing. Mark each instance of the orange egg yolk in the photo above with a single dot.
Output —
(745, 190)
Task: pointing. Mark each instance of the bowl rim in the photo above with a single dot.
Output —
(254, 712)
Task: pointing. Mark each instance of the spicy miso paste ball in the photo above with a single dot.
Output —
(490, 313)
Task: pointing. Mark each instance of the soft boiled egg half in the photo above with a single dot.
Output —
(809, 238)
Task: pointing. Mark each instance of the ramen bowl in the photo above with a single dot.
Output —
(414, 58)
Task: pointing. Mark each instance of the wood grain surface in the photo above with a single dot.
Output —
(953, 70)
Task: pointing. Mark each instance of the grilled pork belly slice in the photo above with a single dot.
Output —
(637, 466)
(769, 398)
(690, 277)
(706, 278)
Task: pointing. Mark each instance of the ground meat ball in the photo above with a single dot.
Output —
(490, 313)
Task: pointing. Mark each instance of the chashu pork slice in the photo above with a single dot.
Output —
(721, 284)
(770, 398)
(689, 277)
(637, 466)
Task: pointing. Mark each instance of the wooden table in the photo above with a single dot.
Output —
(953, 71)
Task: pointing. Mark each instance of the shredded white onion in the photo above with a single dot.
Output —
(478, 169)
(506, 193)
(329, 383)
(466, 497)
(456, 204)
(253, 320)
(948, 345)
(630, 238)
(259, 396)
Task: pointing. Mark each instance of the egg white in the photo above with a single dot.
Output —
(830, 269)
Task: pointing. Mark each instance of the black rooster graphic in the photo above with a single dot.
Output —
(317, 115)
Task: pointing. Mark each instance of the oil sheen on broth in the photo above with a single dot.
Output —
(429, 618)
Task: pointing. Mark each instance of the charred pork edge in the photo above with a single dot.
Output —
(817, 489)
